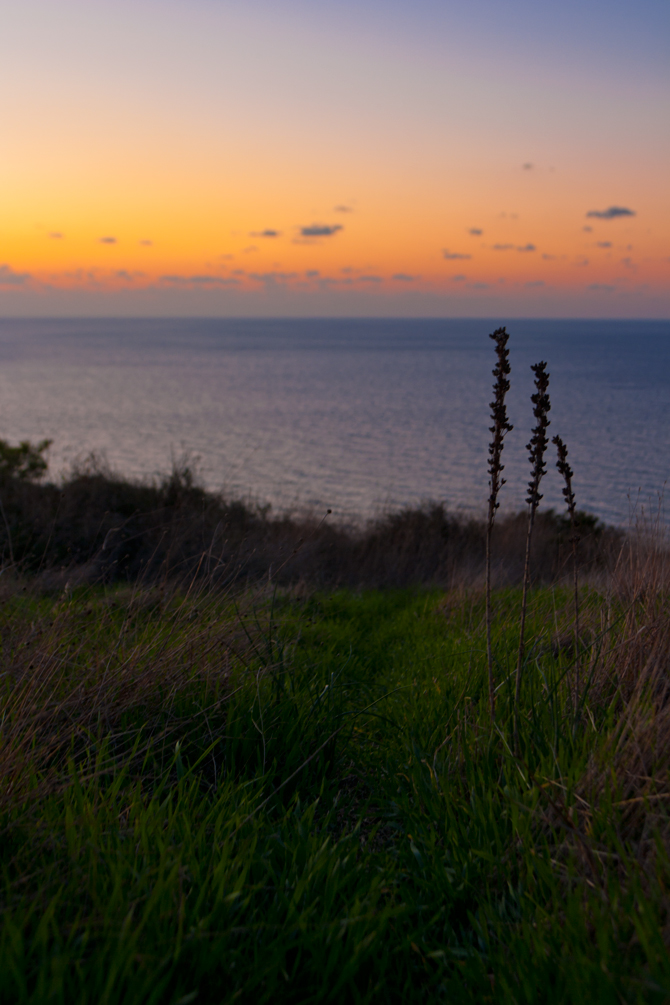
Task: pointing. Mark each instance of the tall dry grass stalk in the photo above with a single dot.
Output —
(500, 427)
(536, 448)
(627, 697)
(566, 471)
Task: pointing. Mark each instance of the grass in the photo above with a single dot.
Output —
(298, 797)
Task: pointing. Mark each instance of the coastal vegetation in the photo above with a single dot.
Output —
(259, 758)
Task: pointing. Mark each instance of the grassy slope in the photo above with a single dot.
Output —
(413, 858)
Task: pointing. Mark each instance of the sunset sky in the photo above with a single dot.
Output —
(358, 157)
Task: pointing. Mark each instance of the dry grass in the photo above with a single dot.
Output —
(135, 666)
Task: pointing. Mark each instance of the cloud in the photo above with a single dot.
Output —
(107, 240)
(146, 243)
(503, 247)
(527, 247)
(250, 250)
(10, 278)
(312, 274)
(548, 258)
(343, 209)
(535, 282)
(403, 277)
(370, 279)
(605, 287)
(478, 286)
(128, 277)
(589, 230)
(320, 230)
(611, 213)
(459, 278)
(451, 255)
(475, 231)
(198, 280)
(56, 235)
(272, 277)
(527, 166)
(265, 233)
(603, 244)
(582, 263)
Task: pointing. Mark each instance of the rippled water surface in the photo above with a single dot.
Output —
(352, 414)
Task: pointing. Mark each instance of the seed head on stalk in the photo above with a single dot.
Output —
(538, 441)
(501, 424)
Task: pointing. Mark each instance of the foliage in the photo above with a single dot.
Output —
(25, 461)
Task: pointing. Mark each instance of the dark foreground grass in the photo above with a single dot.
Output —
(303, 799)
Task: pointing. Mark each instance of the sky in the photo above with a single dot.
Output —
(334, 158)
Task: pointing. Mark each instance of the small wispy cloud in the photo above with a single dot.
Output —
(475, 231)
(56, 235)
(321, 230)
(370, 279)
(272, 277)
(603, 244)
(452, 255)
(198, 280)
(8, 277)
(527, 166)
(601, 287)
(128, 277)
(548, 258)
(611, 213)
(108, 240)
(250, 250)
(312, 274)
(459, 278)
(268, 232)
(343, 209)
(514, 247)
(589, 230)
(404, 277)
(478, 286)
(535, 282)
(146, 243)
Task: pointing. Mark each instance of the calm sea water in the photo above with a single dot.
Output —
(357, 415)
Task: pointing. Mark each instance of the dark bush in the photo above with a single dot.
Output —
(109, 528)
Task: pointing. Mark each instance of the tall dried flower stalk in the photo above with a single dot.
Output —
(496, 481)
(566, 471)
(536, 448)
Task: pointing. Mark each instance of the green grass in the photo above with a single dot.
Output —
(346, 826)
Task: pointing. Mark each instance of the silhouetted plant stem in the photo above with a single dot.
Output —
(536, 449)
(567, 472)
(496, 481)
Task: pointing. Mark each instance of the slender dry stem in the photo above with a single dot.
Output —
(536, 449)
(567, 472)
(500, 426)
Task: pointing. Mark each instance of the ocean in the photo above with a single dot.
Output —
(356, 415)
